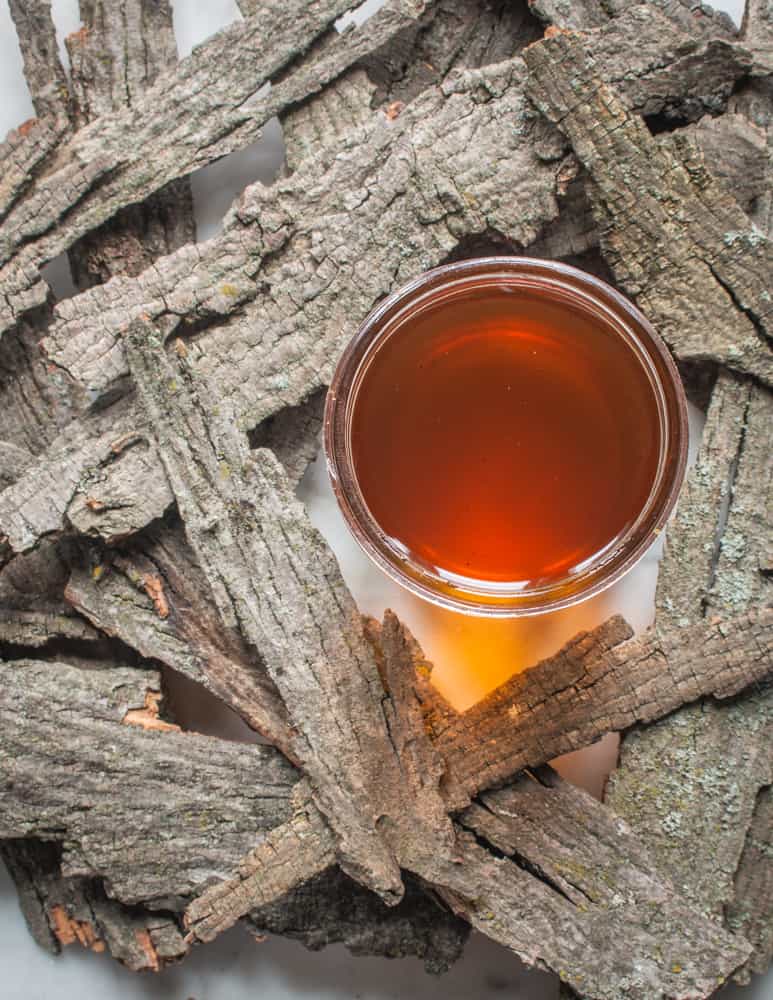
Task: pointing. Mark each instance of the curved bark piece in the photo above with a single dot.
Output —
(46, 79)
(122, 160)
(674, 239)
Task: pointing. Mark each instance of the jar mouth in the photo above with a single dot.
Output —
(560, 283)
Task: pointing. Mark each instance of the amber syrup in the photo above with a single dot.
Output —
(505, 437)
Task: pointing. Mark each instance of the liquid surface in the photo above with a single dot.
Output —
(503, 437)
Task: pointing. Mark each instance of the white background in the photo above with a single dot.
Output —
(470, 656)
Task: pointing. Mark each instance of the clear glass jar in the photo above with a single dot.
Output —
(560, 283)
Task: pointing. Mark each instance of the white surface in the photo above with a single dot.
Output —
(470, 655)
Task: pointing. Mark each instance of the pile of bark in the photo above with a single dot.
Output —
(153, 427)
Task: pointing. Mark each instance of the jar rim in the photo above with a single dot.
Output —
(489, 598)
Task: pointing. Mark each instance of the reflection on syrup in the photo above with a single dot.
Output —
(505, 438)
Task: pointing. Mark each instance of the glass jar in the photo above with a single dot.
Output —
(552, 283)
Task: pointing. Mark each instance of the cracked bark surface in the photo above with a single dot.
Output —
(147, 462)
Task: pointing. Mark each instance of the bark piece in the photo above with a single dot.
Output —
(90, 454)
(44, 73)
(94, 782)
(757, 33)
(675, 240)
(448, 36)
(273, 575)
(598, 684)
(736, 153)
(330, 908)
(691, 16)
(749, 913)
(37, 400)
(119, 53)
(597, 878)
(190, 638)
(691, 782)
(36, 629)
(718, 758)
(61, 911)
(293, 434)
(122, 160)
(317, 128)
(754, 100)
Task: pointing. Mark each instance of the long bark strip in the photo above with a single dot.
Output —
(593, 686)
(272, 574)
(675, 240)
(693, 783)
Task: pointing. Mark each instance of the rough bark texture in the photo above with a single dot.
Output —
(330, 908)
(153, 426)
(666, 225)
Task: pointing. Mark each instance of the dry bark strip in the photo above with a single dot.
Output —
(43, 71)
(595, 685)
(674, 239)
(693, 783)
